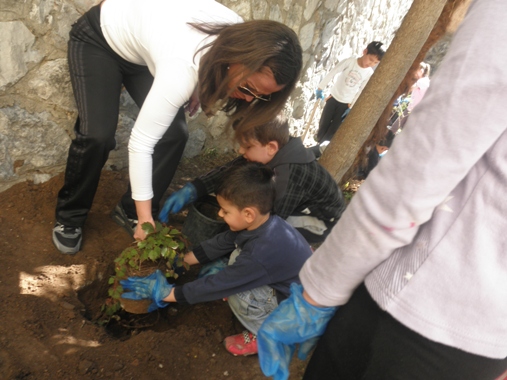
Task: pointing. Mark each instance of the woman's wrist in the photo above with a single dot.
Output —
(310, 300)
(143, 209)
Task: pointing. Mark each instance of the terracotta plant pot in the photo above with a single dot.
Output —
(135, 306)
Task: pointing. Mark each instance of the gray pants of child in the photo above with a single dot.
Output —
(251, 307)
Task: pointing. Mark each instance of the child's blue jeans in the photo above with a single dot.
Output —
(253, 306)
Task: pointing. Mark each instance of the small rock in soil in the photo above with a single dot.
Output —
(117, 366)
(85, 366)
(218, 335)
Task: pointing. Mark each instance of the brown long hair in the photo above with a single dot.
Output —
(254, 44)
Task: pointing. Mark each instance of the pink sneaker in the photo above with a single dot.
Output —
(242, 344)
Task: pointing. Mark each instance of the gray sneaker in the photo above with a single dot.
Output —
(67, 239)
(120, 217)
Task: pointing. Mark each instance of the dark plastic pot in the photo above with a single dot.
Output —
(203, 222)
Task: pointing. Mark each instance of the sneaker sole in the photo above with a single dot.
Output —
(64, 249)
(255, 353)
(119, 218)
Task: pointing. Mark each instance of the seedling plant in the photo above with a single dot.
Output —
(163, 248)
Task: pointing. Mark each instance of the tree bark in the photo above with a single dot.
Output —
(411, 36)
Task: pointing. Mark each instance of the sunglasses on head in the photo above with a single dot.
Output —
(247, 91)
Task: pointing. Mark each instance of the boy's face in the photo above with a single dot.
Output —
(232, 215)
(254, 151)
(368, 60)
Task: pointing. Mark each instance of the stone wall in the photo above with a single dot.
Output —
(37, 111)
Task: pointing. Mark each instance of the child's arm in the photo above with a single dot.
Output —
(170, 297)
(190, 258)
(245, 274)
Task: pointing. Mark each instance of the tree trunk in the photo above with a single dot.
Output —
(411, 36)
(451, 16)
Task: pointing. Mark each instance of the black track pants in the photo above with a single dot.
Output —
(362, 342)
(98, 74)
(331, 119)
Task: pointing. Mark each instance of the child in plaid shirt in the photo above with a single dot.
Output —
(306, 194)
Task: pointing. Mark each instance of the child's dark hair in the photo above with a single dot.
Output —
(375, 48)
(274, 130)
(249, 185)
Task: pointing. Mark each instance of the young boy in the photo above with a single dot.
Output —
(354, 74)
(306, 194)
(267, 254)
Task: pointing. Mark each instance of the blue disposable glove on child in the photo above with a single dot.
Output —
(177, 201)
(213, 267)
(319, 94)
(154, 286)
(293, 321)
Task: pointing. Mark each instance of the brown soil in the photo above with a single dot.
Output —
(51, 301)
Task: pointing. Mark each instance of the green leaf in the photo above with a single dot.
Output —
(173, 244)
(179, 262)
(111, 281)
(153, 255)
(148, 227)
(117, 292)
(164, 251)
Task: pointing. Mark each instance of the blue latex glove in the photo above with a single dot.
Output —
(213, 267)
(154, 286)
(177, 201)
(293, 321)
(319, 94)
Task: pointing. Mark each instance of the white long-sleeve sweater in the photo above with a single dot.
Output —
(350, 80)
(155, 33)
(433, 253)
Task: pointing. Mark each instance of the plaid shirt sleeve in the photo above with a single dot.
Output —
(311, 191)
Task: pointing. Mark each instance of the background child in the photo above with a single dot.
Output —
(354, 73)
(306, 194)
(267, 254)
(374, 155)
(406, 102)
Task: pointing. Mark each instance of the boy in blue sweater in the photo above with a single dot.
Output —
(266, 254)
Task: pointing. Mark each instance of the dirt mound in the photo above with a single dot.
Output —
(51, 301)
